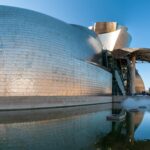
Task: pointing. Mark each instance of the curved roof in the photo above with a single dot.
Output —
(77, 41)
(142, 54)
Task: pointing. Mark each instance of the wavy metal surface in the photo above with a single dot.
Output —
(42, 56)
(104, 27)
(139, 84)
(116, 39)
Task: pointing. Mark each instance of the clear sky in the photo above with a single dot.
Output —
(135, 14)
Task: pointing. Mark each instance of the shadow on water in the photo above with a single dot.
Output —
(131, 133)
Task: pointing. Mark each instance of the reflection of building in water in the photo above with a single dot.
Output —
(68, 128)
(143, 132)
(133, 120)
(122, 135)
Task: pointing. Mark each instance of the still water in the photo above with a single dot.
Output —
(79, 128)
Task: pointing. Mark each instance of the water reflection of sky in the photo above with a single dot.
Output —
(136, 102)
(141, 105)
(70, 128)
(143, 131)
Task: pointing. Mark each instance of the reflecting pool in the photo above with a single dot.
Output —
(91, 127)
(131, 132)
(72, 128)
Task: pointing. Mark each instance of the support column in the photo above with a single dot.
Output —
(132, 74)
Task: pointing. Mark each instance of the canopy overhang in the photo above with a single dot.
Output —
(141, 54)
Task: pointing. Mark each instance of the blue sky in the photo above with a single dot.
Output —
(135, 14)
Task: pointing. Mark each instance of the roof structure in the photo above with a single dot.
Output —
(142, 54)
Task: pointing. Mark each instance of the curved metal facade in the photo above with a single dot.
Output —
(112, 35)
(42, 56)
(139, 84)
(116, 39)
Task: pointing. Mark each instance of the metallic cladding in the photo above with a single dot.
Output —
(139, 84)
(42, 56)
(116, 39)
(112, 35)
(104, 27)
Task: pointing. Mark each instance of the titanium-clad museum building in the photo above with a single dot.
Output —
(43, 56)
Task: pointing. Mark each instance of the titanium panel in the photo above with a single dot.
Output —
(139, 84)
(104, 27)
(42, 56)
(115, 40)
